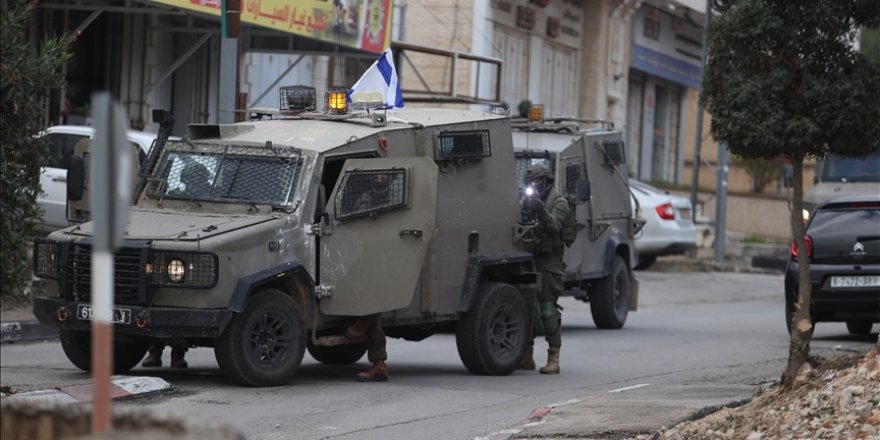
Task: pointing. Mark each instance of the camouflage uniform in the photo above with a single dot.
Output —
(548, 262)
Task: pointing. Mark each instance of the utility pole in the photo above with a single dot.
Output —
(230, 28)
(721, 205)
(698, 145)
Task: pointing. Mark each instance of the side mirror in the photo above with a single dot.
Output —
(161, 116)
(75, 178)
(583, 190)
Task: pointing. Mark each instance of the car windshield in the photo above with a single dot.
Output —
(227, 174)
(848, 169)
(524, 161)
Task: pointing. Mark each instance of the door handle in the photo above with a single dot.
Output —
(417, 233)
(59, 179)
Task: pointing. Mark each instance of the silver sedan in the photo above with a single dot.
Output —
(669, 227)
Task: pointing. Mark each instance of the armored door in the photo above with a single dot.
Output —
(381, 216)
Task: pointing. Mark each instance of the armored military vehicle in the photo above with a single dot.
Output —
(588, 160)
(267, 238)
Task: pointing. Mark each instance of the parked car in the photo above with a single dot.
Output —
(843, 244)
(838, 176)
(669, 227)
(53, 176)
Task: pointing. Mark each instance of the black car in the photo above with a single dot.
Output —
(843, 243)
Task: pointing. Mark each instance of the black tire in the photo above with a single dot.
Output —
(77, 345)
(346, 354)
(609, 297)
(491, 335)
(263, 345)
(646, 262)
(859, 327)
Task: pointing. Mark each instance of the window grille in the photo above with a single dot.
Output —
(614, 152)
(574, 172)
(470, 144)
(369, 192)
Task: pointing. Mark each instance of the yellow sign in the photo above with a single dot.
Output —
(362, 24)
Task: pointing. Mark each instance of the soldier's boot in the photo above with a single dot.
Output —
(552, 366)
(358, 329)
(378, 373)
(154, 359)
(177, 360)
(528, 359)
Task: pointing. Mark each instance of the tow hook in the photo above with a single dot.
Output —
(142, 320)
(62, 314)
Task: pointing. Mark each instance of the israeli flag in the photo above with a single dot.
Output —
(381, 77)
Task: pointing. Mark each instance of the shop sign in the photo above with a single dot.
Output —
(360, 24)
(561, 21)
(668, 46)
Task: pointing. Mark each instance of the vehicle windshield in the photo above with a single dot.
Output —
(849, 169)
(524, 161)
(227, 174)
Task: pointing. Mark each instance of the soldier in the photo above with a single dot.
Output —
(154, 358)
(548, 251)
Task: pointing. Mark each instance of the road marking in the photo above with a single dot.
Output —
(630, 388)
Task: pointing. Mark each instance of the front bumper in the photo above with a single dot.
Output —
(160, 322)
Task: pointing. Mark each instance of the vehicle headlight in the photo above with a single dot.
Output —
(196, 270)
(176, 271)
(46, 257)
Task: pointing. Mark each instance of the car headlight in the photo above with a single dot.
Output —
(196, 270)
(176, 271)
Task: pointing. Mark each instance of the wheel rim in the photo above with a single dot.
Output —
(619, 287)
(503, 331)
(269, 339)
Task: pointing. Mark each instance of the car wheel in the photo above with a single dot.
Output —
(337, 355)
(859, 327)
(264, 344)
(646, 262)
(491, 335)
(77, 346)
(609, 297)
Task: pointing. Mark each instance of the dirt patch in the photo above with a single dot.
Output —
(835, 398)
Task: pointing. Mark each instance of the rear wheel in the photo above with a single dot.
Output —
(77, 345)
(609, 297)
(264, 344)
(859, 327)
(337, 355)
(491, 335)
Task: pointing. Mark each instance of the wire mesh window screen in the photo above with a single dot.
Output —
(370, 192)
(200, 269)
(614, 152)
(524, 162)
(463, 145)
(574, 172)
(228, 174)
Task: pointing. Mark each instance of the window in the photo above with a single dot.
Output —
(367, 193)
(574, 173)
(61, 146)
(524, 161)
(463, 145)
(243, 174)
(613, 152)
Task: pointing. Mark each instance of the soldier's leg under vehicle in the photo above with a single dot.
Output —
(264, 344)
(609, 296)
(491, 336)
(127, 352)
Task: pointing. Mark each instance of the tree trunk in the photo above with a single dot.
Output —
(801, 323)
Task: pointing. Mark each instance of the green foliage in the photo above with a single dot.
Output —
(755, 239)
(870, 42)
(783, 78)
(763, 171)
(27, 74)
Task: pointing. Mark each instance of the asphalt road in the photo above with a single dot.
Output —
(696, 330)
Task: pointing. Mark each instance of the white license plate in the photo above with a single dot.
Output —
(87, 313)
(856, 281)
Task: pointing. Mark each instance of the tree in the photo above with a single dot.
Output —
(783, 81)
(762, 171)
(27, 74)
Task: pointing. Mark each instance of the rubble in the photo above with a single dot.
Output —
(837, 398)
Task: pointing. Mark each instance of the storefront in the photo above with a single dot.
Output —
(665, 62)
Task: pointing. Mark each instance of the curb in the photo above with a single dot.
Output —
(121, 388)
(26, 331)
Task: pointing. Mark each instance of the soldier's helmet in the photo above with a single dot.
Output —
(196, 177)
(536, 172)
(380, 183)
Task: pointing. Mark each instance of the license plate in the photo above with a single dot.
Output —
(87, 313)
(856, 281)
